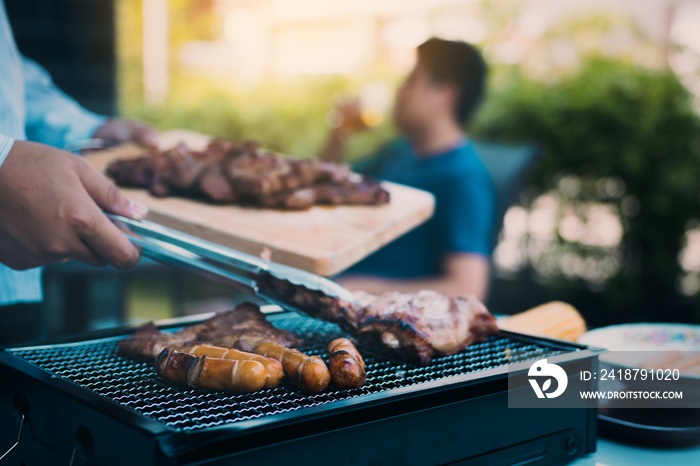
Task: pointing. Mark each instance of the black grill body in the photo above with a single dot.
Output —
(85, 404)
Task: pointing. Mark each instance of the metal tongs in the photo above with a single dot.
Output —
(235, 269)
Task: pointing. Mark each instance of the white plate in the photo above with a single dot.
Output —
(632, 344)
(645, 337)
(641, 338)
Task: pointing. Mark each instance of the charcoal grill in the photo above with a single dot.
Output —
(79, 402)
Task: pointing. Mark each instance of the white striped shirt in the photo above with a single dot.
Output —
(32, 107)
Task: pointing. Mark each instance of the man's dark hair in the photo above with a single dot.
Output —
(456, 63)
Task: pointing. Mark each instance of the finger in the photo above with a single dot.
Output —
(74, 249)
(107, 241)
(108, 196)
(17, 261)
(83, 253)
(145, 135)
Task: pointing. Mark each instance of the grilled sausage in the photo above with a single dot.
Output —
(272, 366)
(212, 373)
(176, 367)
(307, 372)
(346, 364)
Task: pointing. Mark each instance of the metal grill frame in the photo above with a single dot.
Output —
(363, 408)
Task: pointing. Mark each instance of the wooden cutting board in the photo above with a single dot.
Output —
(323, 240)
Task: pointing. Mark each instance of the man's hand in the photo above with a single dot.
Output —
(127, 131)
(348, 117)
(50, 209)
(345, 120)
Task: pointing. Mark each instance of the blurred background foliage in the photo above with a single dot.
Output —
(620, 148)
(609, 221)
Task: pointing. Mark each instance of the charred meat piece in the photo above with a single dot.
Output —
(215, 185)
(359, 191)
(218, 148)
(147, 342)
(260, 174)
(417, 326)
(294, 200)
(132, 172)
(174, 171)
(313, 302)
(426, 324)
(178, 167)
(228, 171)
(244, 328)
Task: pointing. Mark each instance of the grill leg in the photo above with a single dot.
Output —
(19, 437)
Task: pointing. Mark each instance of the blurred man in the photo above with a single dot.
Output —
(451, 252)
(51, 201)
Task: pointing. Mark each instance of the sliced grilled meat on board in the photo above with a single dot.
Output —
(243, 328)
(417, 326)
(228, 172)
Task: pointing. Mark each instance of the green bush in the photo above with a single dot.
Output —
(288, 117)
(616, 121)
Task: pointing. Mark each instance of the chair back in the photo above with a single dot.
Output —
(509, 167)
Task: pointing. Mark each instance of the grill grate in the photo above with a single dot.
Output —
(95, 366)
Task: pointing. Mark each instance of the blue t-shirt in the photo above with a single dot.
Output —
(465, 206)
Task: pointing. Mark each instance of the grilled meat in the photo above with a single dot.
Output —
(346, 364)
(313, 302)
(273, 367)
(307, 372)
(417, 326)
(212, 373)
(359, 192)
(425, 324)
(187, 357)
(243, 328)
(227, 172)
(147, 342)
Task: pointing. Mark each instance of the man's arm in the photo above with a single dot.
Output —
(464, 220)
(349, 122)
(465, 274)
(56, 119)
(53, 117)
(335, 148)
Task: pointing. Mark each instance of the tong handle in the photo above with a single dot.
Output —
(233, 268)
(200, 247)
(191, 254)
(175, 256)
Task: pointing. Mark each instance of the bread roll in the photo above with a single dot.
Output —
(552, 320)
